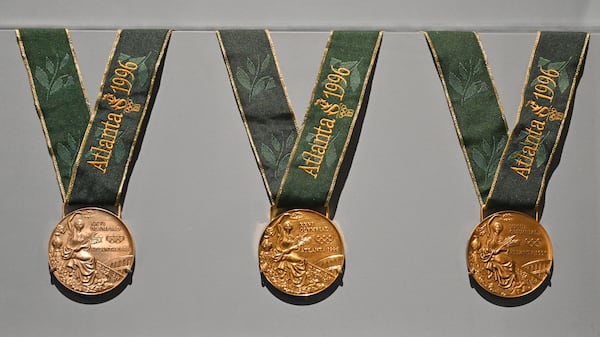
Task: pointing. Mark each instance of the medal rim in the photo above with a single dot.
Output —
(128, 231)
(343, 252)
(550, 252)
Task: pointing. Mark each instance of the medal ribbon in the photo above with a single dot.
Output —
(58, 93)
(301, 166)
(93, 153)
(510, 174)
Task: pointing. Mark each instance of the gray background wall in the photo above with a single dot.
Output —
(196, 204)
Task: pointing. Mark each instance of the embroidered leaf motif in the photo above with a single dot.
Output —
(543, 61)
(354, 80)
(476, 88)
(485, 158)
(563, 80)
(282, 165)
(72, 143)
(64, 61)
(331, 154)
(251, 67)
(42, 77)
(142, 76)
(244, 79)
(66, 152)
(264, 83)
(53, 77)
(119, 152)
(254, 79)
(541, 152)
(455, 83)
(59, 84)
(277, 154)
(468, 83)
(462, 71)
(265, 63)
(49, 65)
(289, 142)
(141, 73)
(557, 65)
(268, 155)
(276, 144)
(62, 155)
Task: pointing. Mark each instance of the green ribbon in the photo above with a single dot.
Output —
(58, 94)
(93, 156)
(303, 166)
(262, 99)
(510, 174)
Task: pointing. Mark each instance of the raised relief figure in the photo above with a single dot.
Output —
(76, 250)
(300, 253)
(490, 247)
(289, 263)
(494, 254)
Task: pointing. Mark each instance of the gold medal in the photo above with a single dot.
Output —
(301, 253)
(509, 254)
(91, 251)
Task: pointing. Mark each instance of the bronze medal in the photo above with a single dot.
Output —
(301, 253)
(509, 254)
(91, 251)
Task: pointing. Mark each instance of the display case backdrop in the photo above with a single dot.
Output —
(197, 206)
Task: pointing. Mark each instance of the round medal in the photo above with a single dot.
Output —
(509, 254)
(91, 251)
(301, 253)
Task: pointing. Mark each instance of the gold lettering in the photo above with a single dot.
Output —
(529, 151)
(307, 158)
(328, 123)
(538, 125)
(312, 170)
(318, 149)
(101, 154)
(527, 163)
(100, 165)
(115, 117)
(522, 171)
(106, 143)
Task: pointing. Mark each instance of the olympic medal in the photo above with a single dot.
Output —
(301, 253)
(509, 254)
(91, 251)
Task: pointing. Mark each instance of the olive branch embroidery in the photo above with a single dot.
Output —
(354, 80)
(141, 73)
(66, 153)
(466, 83)
(253, 77)
(563, 80)
(52, 76)
(119, 152)
(541, 153)
(485, 158)
(331, 156)
(277, 154)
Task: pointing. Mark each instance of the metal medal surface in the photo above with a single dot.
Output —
(301, 253)
(91, 251)
(509, 254)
